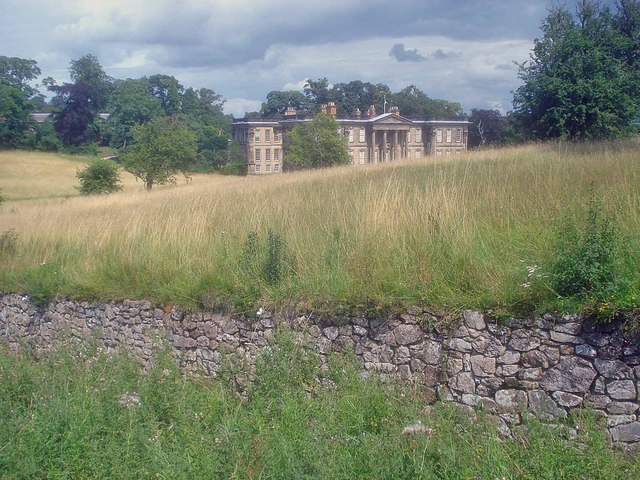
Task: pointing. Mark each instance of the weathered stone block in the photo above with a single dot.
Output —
(509, 358)
(474, 320)
(544, 407)
(463, 382)
(585, 350)
(572, 374)
(523, 341)
(408, 334)
(566, 399)
(622, 390)
(613, 369)
(460, 345)
(626, 433)
(432, 353)
(483, 366)
(510, 401)
(622, 408)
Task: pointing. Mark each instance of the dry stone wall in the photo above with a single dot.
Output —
(545, 366)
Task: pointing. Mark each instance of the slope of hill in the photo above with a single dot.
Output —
(476, 231)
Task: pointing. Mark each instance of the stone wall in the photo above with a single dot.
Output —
(546, 366)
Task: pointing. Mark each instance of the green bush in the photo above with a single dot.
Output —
(101, 176)
(265, 259)
(587, 251)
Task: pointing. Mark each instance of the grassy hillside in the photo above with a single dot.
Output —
(476, 231)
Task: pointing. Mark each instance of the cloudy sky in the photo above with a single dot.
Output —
(459, 50)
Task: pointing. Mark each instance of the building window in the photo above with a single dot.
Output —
(418, 153)
(351, 135)
(438, 135)
(448, 135)
(257, 168)
(257, 155)
(267, 155)
(418, 135)
(361, 135)
(438, 153)
(276, 155)
(267, 167)
(408, 136)
(267, 136)
(362, 156)
(351, 156)
(276, 168)
(458, 135)
(256, 137)
(277, 137)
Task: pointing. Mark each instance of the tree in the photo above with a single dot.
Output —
(99, 177)
(316, 144)
(87, 70)
(162, 148)
(166, 89)
(74, 119)
(278, 102)
(577, 83)
(18, 72)
(131, 104)
(413, 102)
(15, 121)
(487, 127)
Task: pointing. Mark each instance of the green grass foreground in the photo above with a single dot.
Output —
(73, 415)
(476, 231)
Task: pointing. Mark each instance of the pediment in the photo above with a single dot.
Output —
(391, 119)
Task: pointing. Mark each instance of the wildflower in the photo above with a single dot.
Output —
(261, 311)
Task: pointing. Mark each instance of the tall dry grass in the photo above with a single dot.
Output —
(451, 232)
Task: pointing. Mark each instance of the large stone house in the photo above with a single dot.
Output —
(370, 138)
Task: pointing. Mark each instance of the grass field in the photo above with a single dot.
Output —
(452, 233)
(82, 415)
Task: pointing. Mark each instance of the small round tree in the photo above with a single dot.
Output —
(101, 176)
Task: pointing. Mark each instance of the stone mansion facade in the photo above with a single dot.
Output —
(375, 138)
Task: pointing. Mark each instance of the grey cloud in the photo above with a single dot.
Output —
(440, 54)
(401, 54)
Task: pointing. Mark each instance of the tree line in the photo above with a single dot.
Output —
(582, 81)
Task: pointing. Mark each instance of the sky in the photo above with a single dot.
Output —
(458, 50)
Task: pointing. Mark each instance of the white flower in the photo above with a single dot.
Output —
(260, 311)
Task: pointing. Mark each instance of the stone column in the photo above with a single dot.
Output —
(384, 146)
(374, 146)
(395, 145)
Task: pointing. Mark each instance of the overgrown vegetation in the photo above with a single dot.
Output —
(83, 414)
(100, 176)
(451, 233)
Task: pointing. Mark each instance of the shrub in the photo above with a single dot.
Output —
(101, 176)
(266, 259)
(585, 266)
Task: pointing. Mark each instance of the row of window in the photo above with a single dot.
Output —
(267, 168)
(267, 155)
(257, 135)
(413, 133)
(441, 132)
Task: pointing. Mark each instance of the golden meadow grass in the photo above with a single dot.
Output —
(450, 232)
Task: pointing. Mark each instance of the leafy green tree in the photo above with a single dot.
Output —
(131, 104)
(162, 148)
(278, 102)
(360, 95)
(18, 72)
(15, 106)
(577, 84)
(15, 121)
(101, 176)
(413, 102)
(87, 70)
(166, 89)
(316, 144)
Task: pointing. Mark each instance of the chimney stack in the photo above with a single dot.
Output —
(291, 112)
(358, 114)
(331, 110)
(323, 108)
(372, 111)
(395, 110)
